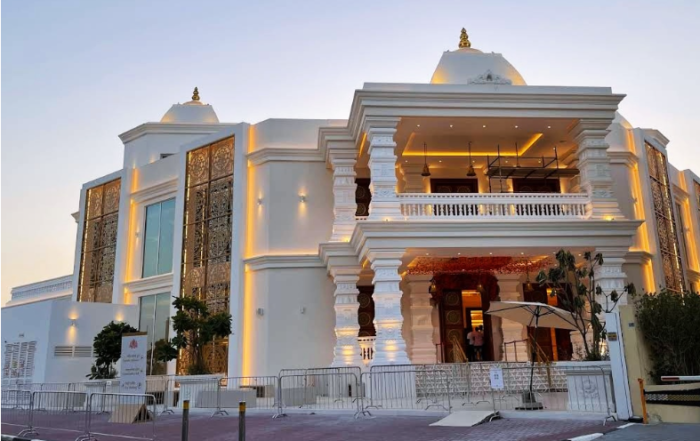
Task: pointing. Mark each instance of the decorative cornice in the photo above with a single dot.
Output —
(166, 188)
(168, 128)
(285, 155)
(163, 282)
(280, 261)
(58, 284)
(638, 257)
(628, 159)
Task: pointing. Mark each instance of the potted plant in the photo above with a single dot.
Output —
(576, 290)
(194, 327)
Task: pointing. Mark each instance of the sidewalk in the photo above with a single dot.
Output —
(298, 427)
(655, 432)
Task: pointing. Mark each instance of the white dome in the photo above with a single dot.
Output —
(471, 66)
(191, 112)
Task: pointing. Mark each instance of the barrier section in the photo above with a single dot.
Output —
(113, 415)
(202, 393)
(16, 408)
(257, 392)
(420, 387)
(327, 390)
(58, 411)
(569, 388)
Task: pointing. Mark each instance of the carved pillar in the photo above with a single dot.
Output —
(347, 350)
(413, 181)
(389, 346)
(610, 276)
(594, 168)
(344, 206)
(423, 348)
(511, 289)
(382, 166)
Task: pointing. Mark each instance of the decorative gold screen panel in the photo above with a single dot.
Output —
(99, 243)
(206, 249)
(665, 221)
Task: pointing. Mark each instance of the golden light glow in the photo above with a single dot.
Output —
(248, 317)
(362, 143)
(133, 244)
(528, 144)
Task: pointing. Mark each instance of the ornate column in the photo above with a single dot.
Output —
(389, 346)
(423, 348)
(382, 166)
(347, 350)
(413, 181)
(610, 276)
(511, 289)
(344, 206)
(594, 168)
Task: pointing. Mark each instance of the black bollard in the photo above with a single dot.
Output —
(241, 421)
(185, 420)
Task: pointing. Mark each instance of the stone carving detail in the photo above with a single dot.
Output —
(489, 77)
(382, 141)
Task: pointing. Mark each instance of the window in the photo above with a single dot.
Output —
(19, 360)
(206, 239)
(665, 220)
(99, 245)
(158, 239)
(154, 319)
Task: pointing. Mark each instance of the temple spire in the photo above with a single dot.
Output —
(195, 94)
(464, 39)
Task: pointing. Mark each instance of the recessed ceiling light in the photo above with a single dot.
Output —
(440, 161)
(549, 127)
(516, 127)
(459, 254)
(427, 254)
(417, 125)
(406, 160)
(484, 126)
(491, 254)
(450, 125)
(521, 253)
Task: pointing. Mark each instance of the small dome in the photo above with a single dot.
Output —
(471, 66)
(191, 112)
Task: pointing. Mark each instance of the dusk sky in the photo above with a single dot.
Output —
(75, 74)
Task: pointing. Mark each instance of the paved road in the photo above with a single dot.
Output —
(656, 432)
(302, 427)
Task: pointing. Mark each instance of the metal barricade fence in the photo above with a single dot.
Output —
(16, 408)
(57, 411)
(202, 392)
(568, 388)
(114, 415)
(257, 392)
(406, 387)
(318, 391)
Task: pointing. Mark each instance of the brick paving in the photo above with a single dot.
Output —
(301, 427)
(656, 432)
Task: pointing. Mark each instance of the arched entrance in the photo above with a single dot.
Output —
(462, 300)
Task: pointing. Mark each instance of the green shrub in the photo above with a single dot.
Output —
(670, 325)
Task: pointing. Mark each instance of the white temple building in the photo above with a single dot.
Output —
(322, 237)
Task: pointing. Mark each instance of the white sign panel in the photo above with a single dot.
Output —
(496, 375)
(133, 374)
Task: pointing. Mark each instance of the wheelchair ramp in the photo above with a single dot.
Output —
(466, 418)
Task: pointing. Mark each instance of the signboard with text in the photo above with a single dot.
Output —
(496, 376)
(133, 369)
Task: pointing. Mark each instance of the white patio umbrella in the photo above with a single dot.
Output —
(533, 314)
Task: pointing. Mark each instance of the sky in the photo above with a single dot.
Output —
(75, 74)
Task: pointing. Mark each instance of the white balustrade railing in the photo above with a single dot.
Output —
(366, 348)
(494, 205)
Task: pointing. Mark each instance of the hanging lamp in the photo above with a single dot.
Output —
(528, 284)
(470, 170)
(426, 169)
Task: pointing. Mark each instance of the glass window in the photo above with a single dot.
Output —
(158, 239)
(154, 319)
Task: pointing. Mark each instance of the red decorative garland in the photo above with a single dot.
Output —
(491, 264)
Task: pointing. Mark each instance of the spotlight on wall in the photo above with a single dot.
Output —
(260, 201)
(302, 198)
(72, 323)
(261, 312)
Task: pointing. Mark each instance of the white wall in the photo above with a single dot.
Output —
(25, 323)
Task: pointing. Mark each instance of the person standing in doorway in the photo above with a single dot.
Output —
(469, 339)
(478, 338)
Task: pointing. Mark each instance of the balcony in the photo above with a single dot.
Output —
(500, 206)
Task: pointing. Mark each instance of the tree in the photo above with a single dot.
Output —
(583, 302)
(107, 347)
(194, 327)
(670, 325)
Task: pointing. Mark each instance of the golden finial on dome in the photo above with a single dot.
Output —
(195, 94)
(464, 39)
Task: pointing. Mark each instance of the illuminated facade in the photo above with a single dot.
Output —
(380, 238)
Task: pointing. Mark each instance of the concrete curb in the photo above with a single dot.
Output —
(592, 436)
(16, 438)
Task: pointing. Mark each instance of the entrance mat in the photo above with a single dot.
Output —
(466, 418)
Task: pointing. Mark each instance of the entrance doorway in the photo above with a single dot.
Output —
(554, 344)
(462, 300)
